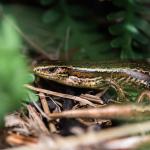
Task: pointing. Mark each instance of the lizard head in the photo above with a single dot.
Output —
(51, 72)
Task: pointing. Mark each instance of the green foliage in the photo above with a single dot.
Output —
(13, 70)
(73, 22)
(131, 30)
(87, 30)
(30, 95)
(29, 21)
(74, 25)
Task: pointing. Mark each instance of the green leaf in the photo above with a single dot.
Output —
(117, 42)
(31, 96)
(30, 78)
(116, 29)
(142, 9)
(131, 28)
(13, 69)
(7, 35)
(130, 54)
(143, 25)
(141, 38)
(118, 15)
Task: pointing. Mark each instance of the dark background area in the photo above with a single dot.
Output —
(84, 30)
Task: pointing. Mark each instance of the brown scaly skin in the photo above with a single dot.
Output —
(118, 75)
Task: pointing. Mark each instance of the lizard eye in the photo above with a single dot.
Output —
(51, 69)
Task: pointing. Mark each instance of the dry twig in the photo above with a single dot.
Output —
(44, 103)
(47, 111)
(108, 112)
(92, 98)
(39, 124)
(73, 142)
(67, 96)
(16, 139)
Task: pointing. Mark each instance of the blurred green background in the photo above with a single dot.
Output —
(84, 30)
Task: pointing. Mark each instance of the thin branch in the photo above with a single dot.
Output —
(47, 111)
(75, 98)
(20, 139)
(108, 112)
(40, 110)
(39, 124)
(44, 103)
